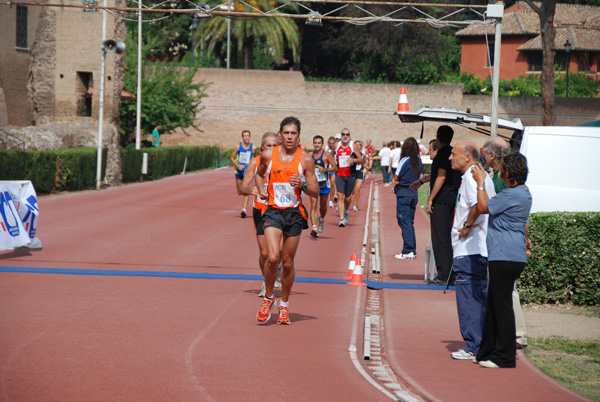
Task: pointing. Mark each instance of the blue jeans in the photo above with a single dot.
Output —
(471, 291)
(405, 215)
(385, 170)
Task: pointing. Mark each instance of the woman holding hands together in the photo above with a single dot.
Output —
(509, 212)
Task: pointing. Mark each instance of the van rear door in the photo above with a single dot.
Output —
(564, 168)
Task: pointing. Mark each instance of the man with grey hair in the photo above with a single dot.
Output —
(494, 150)
(247, 187)
(470, 256)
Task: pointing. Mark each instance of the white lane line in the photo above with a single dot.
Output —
(189, 355)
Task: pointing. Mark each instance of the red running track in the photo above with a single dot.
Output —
(75, 337)
(97, 338)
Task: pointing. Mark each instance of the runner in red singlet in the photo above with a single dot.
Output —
(344, 181)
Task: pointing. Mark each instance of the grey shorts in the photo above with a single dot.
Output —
(345, 185)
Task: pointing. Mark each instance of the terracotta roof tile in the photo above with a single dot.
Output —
(584, 39)
(521, 20)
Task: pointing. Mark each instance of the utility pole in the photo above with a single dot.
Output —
(101, 108)
(496, 11)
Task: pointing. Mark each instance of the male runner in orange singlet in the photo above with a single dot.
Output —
(289, 171)
(269, 140)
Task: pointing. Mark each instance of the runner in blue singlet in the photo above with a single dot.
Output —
(324, 165)
(243, 153)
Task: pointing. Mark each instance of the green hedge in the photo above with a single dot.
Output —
(169, 161)
(74, 169)
(69, 169)
(565, 261)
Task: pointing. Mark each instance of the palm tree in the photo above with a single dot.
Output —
(276, 32)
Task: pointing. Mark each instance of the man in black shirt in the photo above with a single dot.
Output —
(440, 204)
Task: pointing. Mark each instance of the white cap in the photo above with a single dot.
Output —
(338, 136)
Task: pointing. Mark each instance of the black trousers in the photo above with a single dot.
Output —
(441, 225)
(498, 341)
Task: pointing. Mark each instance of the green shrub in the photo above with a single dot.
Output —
(37, 166)
(168, 161)
(565, 261)
(74, 169)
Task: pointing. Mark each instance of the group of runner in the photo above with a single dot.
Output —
(276, 178)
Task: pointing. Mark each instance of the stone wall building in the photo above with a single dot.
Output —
(50, 66)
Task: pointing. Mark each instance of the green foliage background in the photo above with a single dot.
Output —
(170, 97)
(565, 261)
(74, 169)
(580, 85)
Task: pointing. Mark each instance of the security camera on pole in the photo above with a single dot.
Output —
(108, 46)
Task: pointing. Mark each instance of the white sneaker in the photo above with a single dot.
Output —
(342, 223)
(409, 256)
(321, 225)
(314, 232)
(330, 204)
(355, 209)
(488, 364)
(263, 291)
(460, 354)
(346, 216)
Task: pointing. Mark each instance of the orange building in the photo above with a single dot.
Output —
(521, 51)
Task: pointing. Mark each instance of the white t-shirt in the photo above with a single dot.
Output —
(395, 155)
(475, 242)
(385, 156)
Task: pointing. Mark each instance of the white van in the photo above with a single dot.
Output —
(564, 162)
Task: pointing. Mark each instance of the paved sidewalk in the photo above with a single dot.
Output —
(421, 330)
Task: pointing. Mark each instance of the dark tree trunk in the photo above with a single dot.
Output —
(548, 32)
(248, 52)
(113, 159)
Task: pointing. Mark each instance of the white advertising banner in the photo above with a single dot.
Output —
(19, 214)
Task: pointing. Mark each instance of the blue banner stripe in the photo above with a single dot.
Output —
(206, 275)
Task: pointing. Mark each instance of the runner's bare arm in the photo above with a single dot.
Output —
(259, 177)
(331, 160)
(232, 157)
(359, 159)
(248, 183)
(312, 185)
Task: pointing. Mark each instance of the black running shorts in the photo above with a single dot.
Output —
(289, 220)
(258, 223)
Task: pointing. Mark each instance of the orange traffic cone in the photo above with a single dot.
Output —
(403, 101)
(351, 267)
(357, 279)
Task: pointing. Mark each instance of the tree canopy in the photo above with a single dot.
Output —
(170, 97)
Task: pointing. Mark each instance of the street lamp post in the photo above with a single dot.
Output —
(568, 50)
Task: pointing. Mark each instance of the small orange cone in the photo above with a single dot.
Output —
(351, 267)
(357, 279)
(403, 101)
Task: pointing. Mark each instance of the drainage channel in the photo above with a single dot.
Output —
(374, 353)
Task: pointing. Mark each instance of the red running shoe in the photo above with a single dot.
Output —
(265, 310)
(284, 316)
